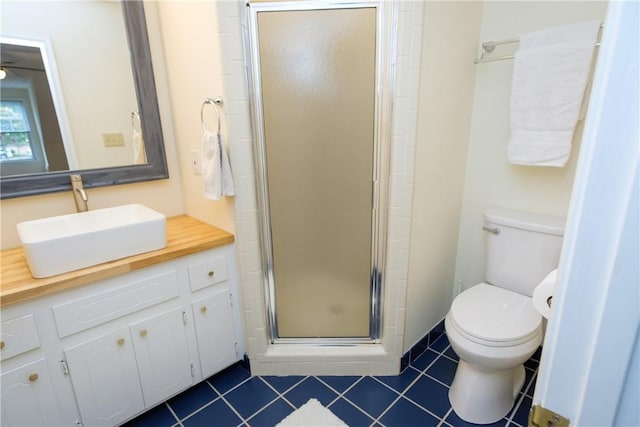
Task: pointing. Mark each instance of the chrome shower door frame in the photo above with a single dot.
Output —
(386, 19)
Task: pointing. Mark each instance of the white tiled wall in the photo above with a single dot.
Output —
(294, 359)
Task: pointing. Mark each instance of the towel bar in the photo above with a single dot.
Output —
(217, 101)
(493, 230)
(488, 47)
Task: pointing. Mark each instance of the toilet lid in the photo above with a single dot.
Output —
(494, 315)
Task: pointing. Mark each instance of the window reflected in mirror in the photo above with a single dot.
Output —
(98, 72)
(30, 138)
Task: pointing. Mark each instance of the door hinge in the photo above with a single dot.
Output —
(231, 299)
(193, 371)
(237, 350)
(184, 317)
(65, 367)
(543, 417)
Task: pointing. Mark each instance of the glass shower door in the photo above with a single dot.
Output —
(317, 75)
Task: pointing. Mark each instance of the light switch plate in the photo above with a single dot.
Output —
(113, 139)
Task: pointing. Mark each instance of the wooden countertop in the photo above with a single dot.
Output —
(185, 236)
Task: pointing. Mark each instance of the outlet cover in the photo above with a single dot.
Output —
(113, 139)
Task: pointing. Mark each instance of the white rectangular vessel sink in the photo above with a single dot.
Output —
(65, 243)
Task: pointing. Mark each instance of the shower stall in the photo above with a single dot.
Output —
(318, 74)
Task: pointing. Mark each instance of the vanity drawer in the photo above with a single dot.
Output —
(208, 273)
(18, 335)
(99, 308)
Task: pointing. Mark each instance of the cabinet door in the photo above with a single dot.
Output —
(105, 379)
(18, 336)
(163, 358)
(214, 331)
(28, 397)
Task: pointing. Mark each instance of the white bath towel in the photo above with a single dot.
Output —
(217, 180)
(550, 74)
(139, 153)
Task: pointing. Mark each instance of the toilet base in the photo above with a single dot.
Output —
(484, 397)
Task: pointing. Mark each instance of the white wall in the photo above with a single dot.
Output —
(490, 180)
(194, 68)
(163, 196)
(450, 40)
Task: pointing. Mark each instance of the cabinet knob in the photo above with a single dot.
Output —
(1, 345)
(121, 342)
(33, 376)
(203, 309)
(143, 333)
(211, 273)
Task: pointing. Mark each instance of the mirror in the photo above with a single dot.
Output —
(135, 116)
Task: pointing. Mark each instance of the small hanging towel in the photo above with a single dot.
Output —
(139, 153)
(216, 172)
(550, 73)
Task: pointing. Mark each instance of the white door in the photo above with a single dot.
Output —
(28, 397)
(589, 367)
(105, 379)
(213, 319)
(163, 357)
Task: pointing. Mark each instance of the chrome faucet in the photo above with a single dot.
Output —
(79, 195)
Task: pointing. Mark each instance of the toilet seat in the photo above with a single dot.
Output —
(495, 317)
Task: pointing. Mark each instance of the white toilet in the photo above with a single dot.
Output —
(493, 326)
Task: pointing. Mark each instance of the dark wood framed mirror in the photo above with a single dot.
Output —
(156, 165)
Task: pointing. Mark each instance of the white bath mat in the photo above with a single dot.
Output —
(312, 414)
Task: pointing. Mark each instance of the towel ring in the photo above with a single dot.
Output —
(217, 101)
(135, 116)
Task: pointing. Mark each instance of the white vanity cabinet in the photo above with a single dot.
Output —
(162, 353)
(213, 318)
(114, 348)
(18, 336)
(105, 379)
(118, 375)
(28, 396)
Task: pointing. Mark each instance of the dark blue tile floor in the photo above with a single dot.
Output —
(415, 398)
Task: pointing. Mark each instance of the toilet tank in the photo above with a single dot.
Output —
(526, 248)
